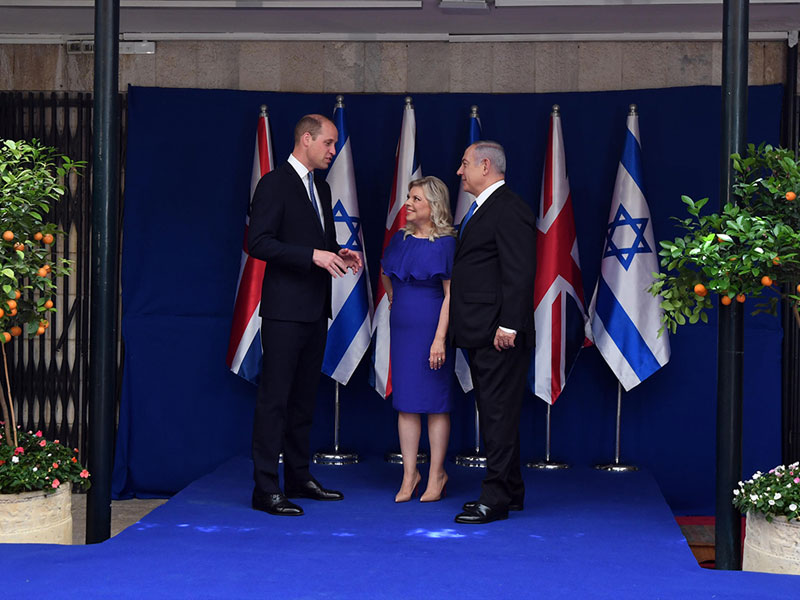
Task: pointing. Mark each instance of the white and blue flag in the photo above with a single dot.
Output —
(465, 200)
(350, 329)
(625, 317)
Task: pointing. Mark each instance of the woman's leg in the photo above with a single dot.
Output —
(408, 429)
(439, 436)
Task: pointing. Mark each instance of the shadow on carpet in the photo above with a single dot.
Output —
(583, 534)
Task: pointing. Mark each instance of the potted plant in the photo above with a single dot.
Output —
(36, 475)
(771, 502)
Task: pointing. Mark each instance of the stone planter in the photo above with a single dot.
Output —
(771, 547)
(37, 517)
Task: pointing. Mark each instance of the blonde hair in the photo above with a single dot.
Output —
(438, 198)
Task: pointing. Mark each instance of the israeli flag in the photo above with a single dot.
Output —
(350, 329)
(465, 200)
(625, 317)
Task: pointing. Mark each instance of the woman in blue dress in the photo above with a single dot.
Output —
(415, 271)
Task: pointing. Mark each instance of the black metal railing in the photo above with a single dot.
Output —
(49, 373)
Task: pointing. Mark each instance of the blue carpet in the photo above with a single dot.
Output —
(583, 534)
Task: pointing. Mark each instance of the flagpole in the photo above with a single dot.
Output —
(335, 456)
(475, 459)
(547, 464)
(616, 467)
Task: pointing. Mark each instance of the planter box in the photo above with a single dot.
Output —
(771, 547)
(37, 517)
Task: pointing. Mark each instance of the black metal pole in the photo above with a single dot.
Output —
(105, 211)
(790, 360)
(730, 340)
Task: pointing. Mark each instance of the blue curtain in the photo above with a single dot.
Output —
(189, 158)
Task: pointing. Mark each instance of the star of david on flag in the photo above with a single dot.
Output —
(620, 244)
(350, 328)
(625, 317)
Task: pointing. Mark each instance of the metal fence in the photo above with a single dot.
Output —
(49, 374)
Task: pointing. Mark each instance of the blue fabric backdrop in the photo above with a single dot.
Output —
(189, 158)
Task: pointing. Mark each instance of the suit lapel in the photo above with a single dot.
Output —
(479, 214)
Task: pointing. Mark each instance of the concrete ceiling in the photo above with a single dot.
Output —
(564, 19)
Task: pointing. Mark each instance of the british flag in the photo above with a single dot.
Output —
(406, 169)
(244, 347)
(559, 309)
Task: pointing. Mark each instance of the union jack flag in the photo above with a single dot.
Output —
(559, 309)
(244, 347)
(406, 169)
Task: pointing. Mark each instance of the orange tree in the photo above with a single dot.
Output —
(32, 177)
(751, 249)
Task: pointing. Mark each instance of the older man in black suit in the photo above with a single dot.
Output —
(292, 229)
(491, 315)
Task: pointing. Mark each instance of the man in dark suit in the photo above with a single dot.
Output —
(491, 316)
(292, 229)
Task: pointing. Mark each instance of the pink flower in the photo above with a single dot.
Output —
(56, 483)
(85, 474)
(797, 479)
(43, 443)
(55, 465)
(38, 433)
(19, 450)
(55, 441)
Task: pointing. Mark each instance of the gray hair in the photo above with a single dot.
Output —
(439, 200)
(493, 152)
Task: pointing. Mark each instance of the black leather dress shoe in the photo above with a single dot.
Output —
(513, 505)
(312, 489)
(481, 514)
(276, 504)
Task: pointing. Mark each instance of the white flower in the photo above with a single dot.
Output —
(35, 469)
(772, 502)
(757, 474)
(15, 459)
(793, 506)
(754, 497)
(777, 496)
(735, 492)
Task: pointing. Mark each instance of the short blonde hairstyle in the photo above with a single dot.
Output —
(438, 198)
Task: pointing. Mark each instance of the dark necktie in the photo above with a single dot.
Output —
(311, 194)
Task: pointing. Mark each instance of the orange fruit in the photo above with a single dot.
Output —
(15, 331)
(11, 304)
(40, 331)
(2, 312)
(13, 312)
(44, 323)
(766, 280)
(740, 298)
(8, 235)
(17, 294)
(48, 239)
(38, 235)
(6, 337)
(726, 300)
(798, 288)
(42, 272)
(776, 260)
(46, 267)
(48, 304)
(19, 246)
(790, 196)
(700, 289)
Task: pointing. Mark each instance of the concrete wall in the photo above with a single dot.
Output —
(386, 67)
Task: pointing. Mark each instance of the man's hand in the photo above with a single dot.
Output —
(331, 262)
(503, 340)
(352, 260)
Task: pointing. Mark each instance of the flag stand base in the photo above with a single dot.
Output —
(335, 457)
(396, 458)
(471, 460)
(547, 465)
(616, 468)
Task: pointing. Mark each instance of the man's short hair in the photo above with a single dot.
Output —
(493, 152)
(311, 124)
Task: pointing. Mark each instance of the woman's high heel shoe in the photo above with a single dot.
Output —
(401, 497)
(429, 496)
